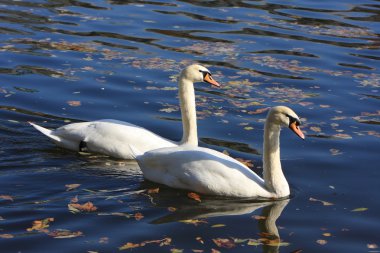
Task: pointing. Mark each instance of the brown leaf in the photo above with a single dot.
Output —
(247, 163)
(224, 242)
(86, 207)
(6, 197)
(64, 234)
(259, 111)
(6, 236)
(138, 216)
(74, 103)
(194, 196)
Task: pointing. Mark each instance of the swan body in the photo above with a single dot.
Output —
(213, 173)
(112, 137)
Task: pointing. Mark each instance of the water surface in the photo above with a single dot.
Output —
(69, 61)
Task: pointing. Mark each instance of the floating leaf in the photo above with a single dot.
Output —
(321, 242)
(194, 196)
(70, 187)
(129, 245)
(199, 239)
(86, 207)
(103, 240)
(174, 250)
(74, 199)
(172, 209)
(6, 236)
(195, 222)
(247, 163)
(138, 216)
(74, 103)
(259, 111)
(6, 197)
(372, 246)
(218, 225)
(248, 128)
(253, 242)
(360, 209)
(315, 129)
(64, 234)
(334, 151)
(224, 243)
(325, 203)
(40, 225)
(342, 136)
(326, 234)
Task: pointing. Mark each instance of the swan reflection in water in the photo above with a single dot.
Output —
(208, 208)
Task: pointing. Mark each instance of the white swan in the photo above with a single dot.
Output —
(210, 172)
(112, 137)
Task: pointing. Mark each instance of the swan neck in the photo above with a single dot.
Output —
(188, 111)
(274, 178)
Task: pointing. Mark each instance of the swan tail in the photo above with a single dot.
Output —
(135, 151)
(49, 133)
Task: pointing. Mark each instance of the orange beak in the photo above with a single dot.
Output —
(297, 130)
(208, 79)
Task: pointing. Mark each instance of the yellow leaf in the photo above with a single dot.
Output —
(40, 225)
(218, 225)
(360, 209)
(194, 221)
(129, 245)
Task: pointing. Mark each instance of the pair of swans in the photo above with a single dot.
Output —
(184, 165)
(112, 137)
(210, 172)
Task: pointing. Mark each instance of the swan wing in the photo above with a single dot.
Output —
(109, 137)
(202, 170)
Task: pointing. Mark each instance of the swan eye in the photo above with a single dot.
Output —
(293, 120)
(205, 73)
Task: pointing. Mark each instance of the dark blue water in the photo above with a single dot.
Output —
(68, 61)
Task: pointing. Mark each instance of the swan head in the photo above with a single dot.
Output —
(198, 73)
(285, 117)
